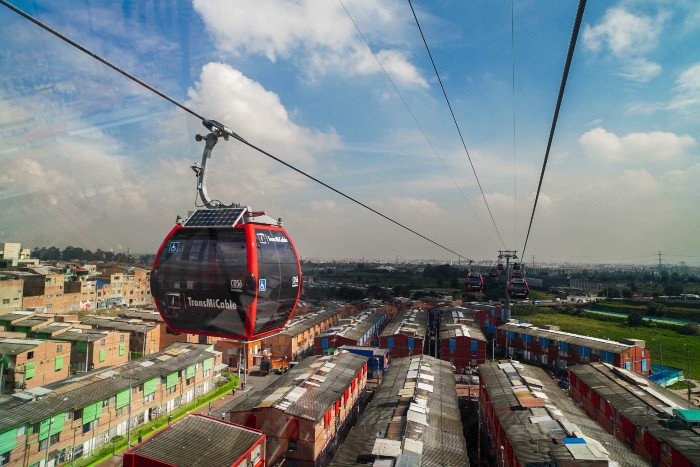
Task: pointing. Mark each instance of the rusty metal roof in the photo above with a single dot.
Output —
(410, 322)
(538, 418)
(413, 419)
(310, 388)
(644, 403)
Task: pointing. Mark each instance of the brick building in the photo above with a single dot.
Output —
(461, 342)
(413, 418)
(362, 330)
(528, 420)
(30, 363)
(553, 347)
(297, 338)
(305, 412)
(72, 418)
(144, 337)
(660, 426)
(200, 440)
(405, 334)
(92, 349)
(10, 294)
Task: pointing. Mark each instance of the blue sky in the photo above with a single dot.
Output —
(91, 159)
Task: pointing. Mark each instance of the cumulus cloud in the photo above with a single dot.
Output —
(316, 35)
(624, 33)
(656, 145)
(325, 206)
(413, 206)
(627, 37)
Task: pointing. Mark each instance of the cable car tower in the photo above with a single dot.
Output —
(225, 270)
(507, 254)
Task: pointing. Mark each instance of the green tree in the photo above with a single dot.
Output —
(657, 309)
(634, 319)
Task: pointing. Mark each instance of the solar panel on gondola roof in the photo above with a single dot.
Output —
(215, 217)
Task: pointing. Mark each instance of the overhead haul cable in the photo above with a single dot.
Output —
(192, 112)
(464, 144)
(415, 119)
(562, 87)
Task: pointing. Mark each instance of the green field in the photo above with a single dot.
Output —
(672, 343)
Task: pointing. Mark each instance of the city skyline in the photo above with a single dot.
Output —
(93, 160)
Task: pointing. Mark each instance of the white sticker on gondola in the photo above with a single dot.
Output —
(262, 285)
(236, 285)
(262, 238)
(174, 246)
(295, 281)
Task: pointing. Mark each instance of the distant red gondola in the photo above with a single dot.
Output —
(518, 289)
(474, 283)
(493, 272)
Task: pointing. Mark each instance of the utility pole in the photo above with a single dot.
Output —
(659, 264)
(507, 254)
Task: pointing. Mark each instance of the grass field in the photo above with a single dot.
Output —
(671, 343)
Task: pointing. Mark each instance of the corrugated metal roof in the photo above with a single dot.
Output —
(645, 406)
(426, 424)
(534, 416)
(199, 440)
(336, 373)
(414, 322)
(361, 323)
(561, 336)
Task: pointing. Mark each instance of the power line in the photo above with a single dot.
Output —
(190, 111)
(444, 93)
(515, 173)
(415, 119)
(562, 87)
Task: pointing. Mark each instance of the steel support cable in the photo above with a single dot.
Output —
(190, 111)
(454, 118)
(562, 87)
(515, 172)
(415, 119)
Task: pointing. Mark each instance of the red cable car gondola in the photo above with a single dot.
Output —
(474, 283)
(493, 272)
(501, 269)
(226, 271)
(518, 289)
(517, 272)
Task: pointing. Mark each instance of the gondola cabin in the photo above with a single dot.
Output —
(493, 272)
(500, 269)
(227, 272)
(518, 289)
(474, 283)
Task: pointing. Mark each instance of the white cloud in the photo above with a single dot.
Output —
(640, 70)
(627, 37)
(256, 114)
(315, 34)
(656, 145)
(639, 182)
(624, 33)
(687, 89)
(413, 206)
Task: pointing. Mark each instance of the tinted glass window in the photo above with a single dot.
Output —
(278, 279)
(199, 281)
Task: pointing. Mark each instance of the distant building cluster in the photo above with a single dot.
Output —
(65, 286)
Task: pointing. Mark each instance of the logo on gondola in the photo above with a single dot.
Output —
(262, 285)
(212, 303)
(295, 281)
(173, 247)
(264, 239)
